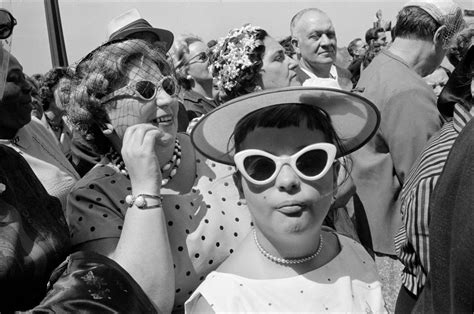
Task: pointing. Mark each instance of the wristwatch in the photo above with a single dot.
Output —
(140, 201)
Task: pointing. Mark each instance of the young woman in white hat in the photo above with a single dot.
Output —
(284, 144)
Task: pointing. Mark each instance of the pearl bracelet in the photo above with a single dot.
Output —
(140, 201)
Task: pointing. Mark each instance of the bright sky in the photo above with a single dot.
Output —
(85, 21)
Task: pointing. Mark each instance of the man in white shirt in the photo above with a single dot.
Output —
(314, 40)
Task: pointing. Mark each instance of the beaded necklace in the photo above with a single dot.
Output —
(288, 261)
(172, 164)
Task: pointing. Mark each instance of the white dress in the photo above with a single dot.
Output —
(348, 283)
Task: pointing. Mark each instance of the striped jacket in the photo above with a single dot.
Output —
(412, 240)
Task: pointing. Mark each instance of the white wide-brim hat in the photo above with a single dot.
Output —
(131, 22)
(354, 118)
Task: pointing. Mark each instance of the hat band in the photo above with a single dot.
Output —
(141, 23)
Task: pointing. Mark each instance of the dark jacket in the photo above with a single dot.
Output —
(450, 287)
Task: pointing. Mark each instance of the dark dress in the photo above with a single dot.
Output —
(34, 237)
(196, 105)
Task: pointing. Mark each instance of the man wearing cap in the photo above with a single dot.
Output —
(393, 81)
(413, 238)
(314, 38)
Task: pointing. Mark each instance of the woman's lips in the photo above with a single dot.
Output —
(291, 208)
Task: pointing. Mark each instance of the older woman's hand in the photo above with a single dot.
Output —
(140, 157)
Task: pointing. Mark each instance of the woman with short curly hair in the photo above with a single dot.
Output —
(153, 204)
(54, 106)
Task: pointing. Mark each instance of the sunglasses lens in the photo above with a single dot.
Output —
(6, 24)
(203, 57)
(259, 167)
(169, 86)
(146, 89)
(312, 162)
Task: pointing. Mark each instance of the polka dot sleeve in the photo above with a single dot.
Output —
(95, 209)
(204, 226)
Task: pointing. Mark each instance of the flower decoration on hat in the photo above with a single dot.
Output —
(232, 60)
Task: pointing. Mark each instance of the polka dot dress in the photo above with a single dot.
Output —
(204, 226)
(349, 283)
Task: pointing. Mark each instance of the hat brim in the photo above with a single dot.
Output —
(354, 118)
(164, 35)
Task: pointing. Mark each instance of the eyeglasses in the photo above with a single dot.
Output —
(146, 90)
(310, 163)
(200, 57)
(7, 22)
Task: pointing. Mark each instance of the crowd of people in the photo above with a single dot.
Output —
(163, 173)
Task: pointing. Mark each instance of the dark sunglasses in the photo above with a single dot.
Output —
(200, 57)
(310, 163)
(146, 90)
(7, 22)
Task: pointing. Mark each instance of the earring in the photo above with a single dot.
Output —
(107, 129)
(189, 77)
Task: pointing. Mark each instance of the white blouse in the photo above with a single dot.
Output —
(348, 283)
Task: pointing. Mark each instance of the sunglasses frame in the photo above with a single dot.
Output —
(279, 161)
(131, 87)
(11, 25)
(196, 56)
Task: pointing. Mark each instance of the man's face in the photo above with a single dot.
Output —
(315, 38)
(360, 49)
(381, 39)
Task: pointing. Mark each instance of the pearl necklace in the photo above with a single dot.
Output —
(288, 261)
(172, 164)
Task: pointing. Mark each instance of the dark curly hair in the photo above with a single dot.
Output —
(288, 46)
(49, 81)
(246, 78)
(97, 75)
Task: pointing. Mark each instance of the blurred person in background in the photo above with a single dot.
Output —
(263, 63)
(438, 79)
(380, 22)
(357, 49)
(38, 108)
(54, 106)
(376, 35)
(191, 61)
(289, 49)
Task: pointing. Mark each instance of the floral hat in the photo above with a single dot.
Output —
(232, 64)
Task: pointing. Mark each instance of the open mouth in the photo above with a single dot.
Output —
(163, 120)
